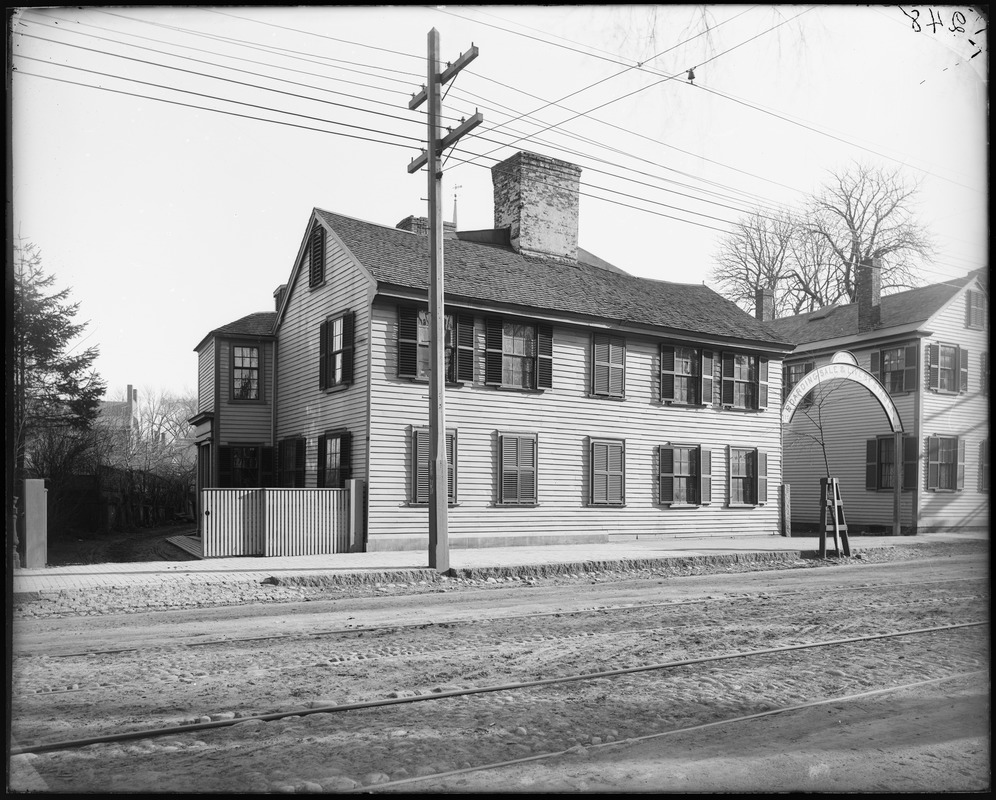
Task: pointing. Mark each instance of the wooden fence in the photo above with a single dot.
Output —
(282, 522)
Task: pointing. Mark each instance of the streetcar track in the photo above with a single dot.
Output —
(440, 695)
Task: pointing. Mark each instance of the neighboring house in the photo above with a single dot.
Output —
(929, 347)
(119, 420)
(581, 402)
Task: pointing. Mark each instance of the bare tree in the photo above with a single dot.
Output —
(867, 212)
(810, 259)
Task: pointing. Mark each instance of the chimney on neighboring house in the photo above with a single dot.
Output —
(132, 405)
(278, 296)
(868, 292)
(764, 305)
(420, 227)
(537, 199)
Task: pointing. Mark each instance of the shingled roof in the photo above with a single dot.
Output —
(903, 309)
(493, 273)
(257, 324)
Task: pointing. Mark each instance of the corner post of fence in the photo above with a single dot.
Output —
(786, 509)
(356, 489)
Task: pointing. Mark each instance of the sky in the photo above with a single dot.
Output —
(166, 160)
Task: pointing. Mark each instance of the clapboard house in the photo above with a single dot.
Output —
(929, 348)
(581, 402)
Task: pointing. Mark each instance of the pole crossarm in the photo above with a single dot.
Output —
(449, 139)
(445, 76)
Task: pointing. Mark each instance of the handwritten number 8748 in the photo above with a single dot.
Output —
(957, 21)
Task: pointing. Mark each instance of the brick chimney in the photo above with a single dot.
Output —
(868, 293)
(764, 305)
(537, 199)
(278, 295)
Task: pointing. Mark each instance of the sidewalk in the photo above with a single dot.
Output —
(630, 552)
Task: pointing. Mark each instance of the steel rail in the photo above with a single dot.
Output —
(202, 726)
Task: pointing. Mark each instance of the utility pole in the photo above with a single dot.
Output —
(439, 553)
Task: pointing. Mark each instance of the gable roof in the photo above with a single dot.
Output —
(257, 324)
(911, 308)
(484, 269)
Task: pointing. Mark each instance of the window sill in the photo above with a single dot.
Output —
(518, 389)
(606, 505)
(682, 505)
(238, 402)
(593, 396)
(426, 505)
(683, 404)
(743, 410)
(742, 505)
(339, 387)
(426, 382)
(516, 505)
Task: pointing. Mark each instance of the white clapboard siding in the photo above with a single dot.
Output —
(303, 409)
(234, 522)
(564, 419)
(302, 522)
(205, 377)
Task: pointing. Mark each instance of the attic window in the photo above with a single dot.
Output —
(823, 313)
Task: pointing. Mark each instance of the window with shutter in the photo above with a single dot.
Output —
(975, 309)
(947, 368)
(316, 257)
(608, 359)
(421, 444)
(414, 343)
(744, 381)
(945, 463)
(607, 472)
(880, 463)
(335, 351)
(684, 475)
(517, 469)
(334, 460)
(748, 477)
(793, 374)
(245, 466)
(686, 375)
(518, 355)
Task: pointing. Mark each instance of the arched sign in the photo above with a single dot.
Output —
(842, 366)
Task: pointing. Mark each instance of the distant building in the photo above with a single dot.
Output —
(929, 347)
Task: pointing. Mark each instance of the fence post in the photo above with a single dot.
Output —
(355, 515)
(786, 509)
(35, 523)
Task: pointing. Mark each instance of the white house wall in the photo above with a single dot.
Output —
(965, 415)
(304, 410)
(563, 419)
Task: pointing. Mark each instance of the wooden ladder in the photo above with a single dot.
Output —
(832, 507)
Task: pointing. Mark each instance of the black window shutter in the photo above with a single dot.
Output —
(407, 342)
(300, 452)
(705, 476)
(871, 465)
(420, 466)
(600, 364)
(322, 448)
(465, 348)
(348, 338)
(667, 372)
(933, 462)
(544, 357)
(910, 367)
(707, 379)
(910, 458)
(963, 358)
(933, 369)
(317, 259)
(762, 477)
(493, 351)
(225, 467)
(876, 364)
(727, 378)
(450, 467)
(323, 355)
(666, 458)
(267, 467)
(345, 458)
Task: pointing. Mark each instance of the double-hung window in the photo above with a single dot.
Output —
(519, 354)
(334, 460)
(245, 373)
(517, 468)
(947, 368)
(748, 477)
(290, 461)
(245, 466)
(608, 366)
(945, 463)
(896, 368)
(793, 374)
(335, 367)
(421, 450)
(607, 472)
(745, 381)
(880, 463)
(684, 475)
(686, 375)
(414, 343)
